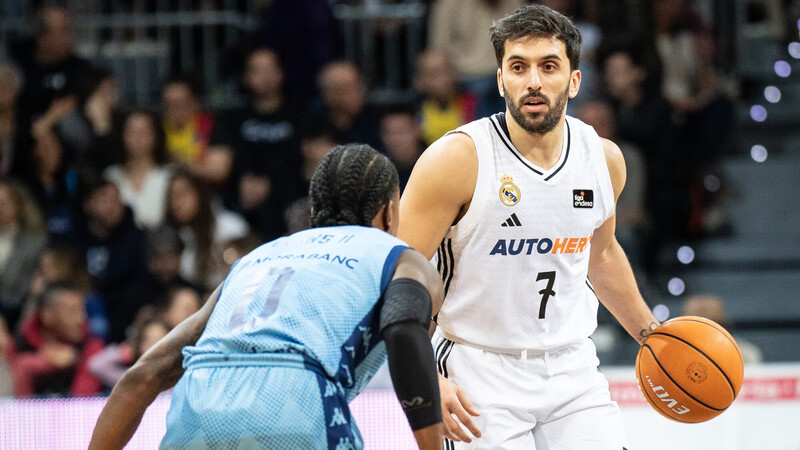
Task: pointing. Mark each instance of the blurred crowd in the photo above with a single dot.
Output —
(116, 222)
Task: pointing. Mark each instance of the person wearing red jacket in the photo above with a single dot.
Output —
(51, 353)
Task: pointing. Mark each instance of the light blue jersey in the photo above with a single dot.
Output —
(298, 319)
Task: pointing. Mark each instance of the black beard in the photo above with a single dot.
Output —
(549, 119)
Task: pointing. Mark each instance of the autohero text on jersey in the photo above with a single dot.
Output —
(540, 245)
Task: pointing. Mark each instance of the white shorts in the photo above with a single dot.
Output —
(555, 400)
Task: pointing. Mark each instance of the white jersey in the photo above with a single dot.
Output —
(515, 266)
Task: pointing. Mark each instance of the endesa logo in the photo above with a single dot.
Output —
(540, 245)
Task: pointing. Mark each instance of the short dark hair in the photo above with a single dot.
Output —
(53, 291)
(536, 21)
(350, 186)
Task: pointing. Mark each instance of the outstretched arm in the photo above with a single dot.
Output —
(156, 371)
(609, 269)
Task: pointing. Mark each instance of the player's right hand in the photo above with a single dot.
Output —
(455, 403)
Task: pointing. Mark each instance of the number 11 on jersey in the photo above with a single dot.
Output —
(271, 303)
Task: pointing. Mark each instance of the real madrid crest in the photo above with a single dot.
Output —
(509, 192)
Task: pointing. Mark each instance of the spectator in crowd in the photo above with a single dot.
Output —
(452, 29)
(264, 140)
(10, 85)
(109, 364)
(306, 36)
(693, 87)
(6, 376)
(345, 107)
(317, 140)
(53, 349)
(162, 251)
(49, 67)
(630, 211)
(713, 308)
(202, 227)
(61, 264)
(53, 187)
(401, 138)
(22, 238)
(584, 15)
(188, 131)
(444, 107)
(112, 245)
(642, 117)
(181, 302)
(142, 176)
(87, 129)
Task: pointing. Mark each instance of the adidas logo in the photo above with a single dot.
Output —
(512, 221)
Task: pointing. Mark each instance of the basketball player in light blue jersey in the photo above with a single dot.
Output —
(297, 330)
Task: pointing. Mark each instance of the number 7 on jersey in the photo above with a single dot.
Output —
(548, 291)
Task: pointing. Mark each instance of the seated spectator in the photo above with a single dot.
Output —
(54, 187)
(202, 227)
(188, 132)
(87, 129)
(10, 84)
(264, 140)
(317, 140)
(181, 302)
(444, 107)
(49, 66)
(642, 117)
(112, 245)
(142, 175)
(345, 107)
(6, 376)
(51, 353)
(162, 253)
(22, 239)
(401, 138)
(713, 308)
(61, 264)
(109, 364)
(630, 211)
(461, 28)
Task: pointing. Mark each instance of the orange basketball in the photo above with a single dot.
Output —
(689, 369)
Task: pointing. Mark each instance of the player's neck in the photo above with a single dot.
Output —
(542, 149)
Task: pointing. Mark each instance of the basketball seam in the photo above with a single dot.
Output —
(646, 393)
(730, 383)
(676, 383)
(726, 333)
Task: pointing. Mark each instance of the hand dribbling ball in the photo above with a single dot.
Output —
(689, 369)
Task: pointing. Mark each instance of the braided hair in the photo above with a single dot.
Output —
(350, 186)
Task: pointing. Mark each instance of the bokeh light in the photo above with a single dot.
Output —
(758, 113)
(676, 286)
(758, 153)
(783, 69)
(712, 183)
(794, 50)
(772, 94)
(661, 312)
(685, 254)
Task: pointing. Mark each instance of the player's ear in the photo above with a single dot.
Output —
(500, 86)
(387, 217)
(574, 83)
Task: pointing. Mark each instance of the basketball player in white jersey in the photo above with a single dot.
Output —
(518, 210)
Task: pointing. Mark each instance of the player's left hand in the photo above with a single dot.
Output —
(455, 403)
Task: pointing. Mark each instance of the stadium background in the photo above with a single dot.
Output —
(740, 241)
